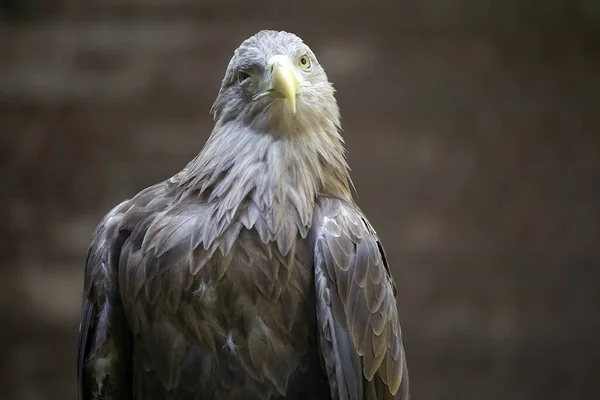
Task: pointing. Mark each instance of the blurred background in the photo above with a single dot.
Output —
(473, 136)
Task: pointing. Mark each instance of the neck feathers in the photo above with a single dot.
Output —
(270, 182)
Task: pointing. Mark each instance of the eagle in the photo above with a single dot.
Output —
(251, 273)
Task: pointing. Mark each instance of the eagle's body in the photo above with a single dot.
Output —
(250, 274)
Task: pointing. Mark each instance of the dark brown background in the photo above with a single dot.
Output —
(472, 129)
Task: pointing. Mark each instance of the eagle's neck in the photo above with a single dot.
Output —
(280, 175)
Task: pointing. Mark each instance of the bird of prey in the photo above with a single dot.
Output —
(251, 273)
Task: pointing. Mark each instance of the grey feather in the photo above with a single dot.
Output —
(372, 325)
(250, 273)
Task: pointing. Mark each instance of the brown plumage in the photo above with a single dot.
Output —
(250, 274)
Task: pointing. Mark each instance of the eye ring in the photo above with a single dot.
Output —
(242, 76)
(304, 61)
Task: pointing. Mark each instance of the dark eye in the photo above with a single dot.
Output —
(305, 61)
(242, 76)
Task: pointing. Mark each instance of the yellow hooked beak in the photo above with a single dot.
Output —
(283, 79)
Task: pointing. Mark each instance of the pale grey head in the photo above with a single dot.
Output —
(277, 126)
(274, 82)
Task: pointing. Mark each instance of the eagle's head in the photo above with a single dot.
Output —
(275, 84)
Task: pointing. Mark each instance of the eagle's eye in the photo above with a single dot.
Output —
(242, 76)
(305, 62)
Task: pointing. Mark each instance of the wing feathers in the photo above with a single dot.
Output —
(85, 330)
(357, 306)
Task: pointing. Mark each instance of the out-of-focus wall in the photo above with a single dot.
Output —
(472, 130)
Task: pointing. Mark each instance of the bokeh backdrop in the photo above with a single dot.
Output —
(472, 130)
